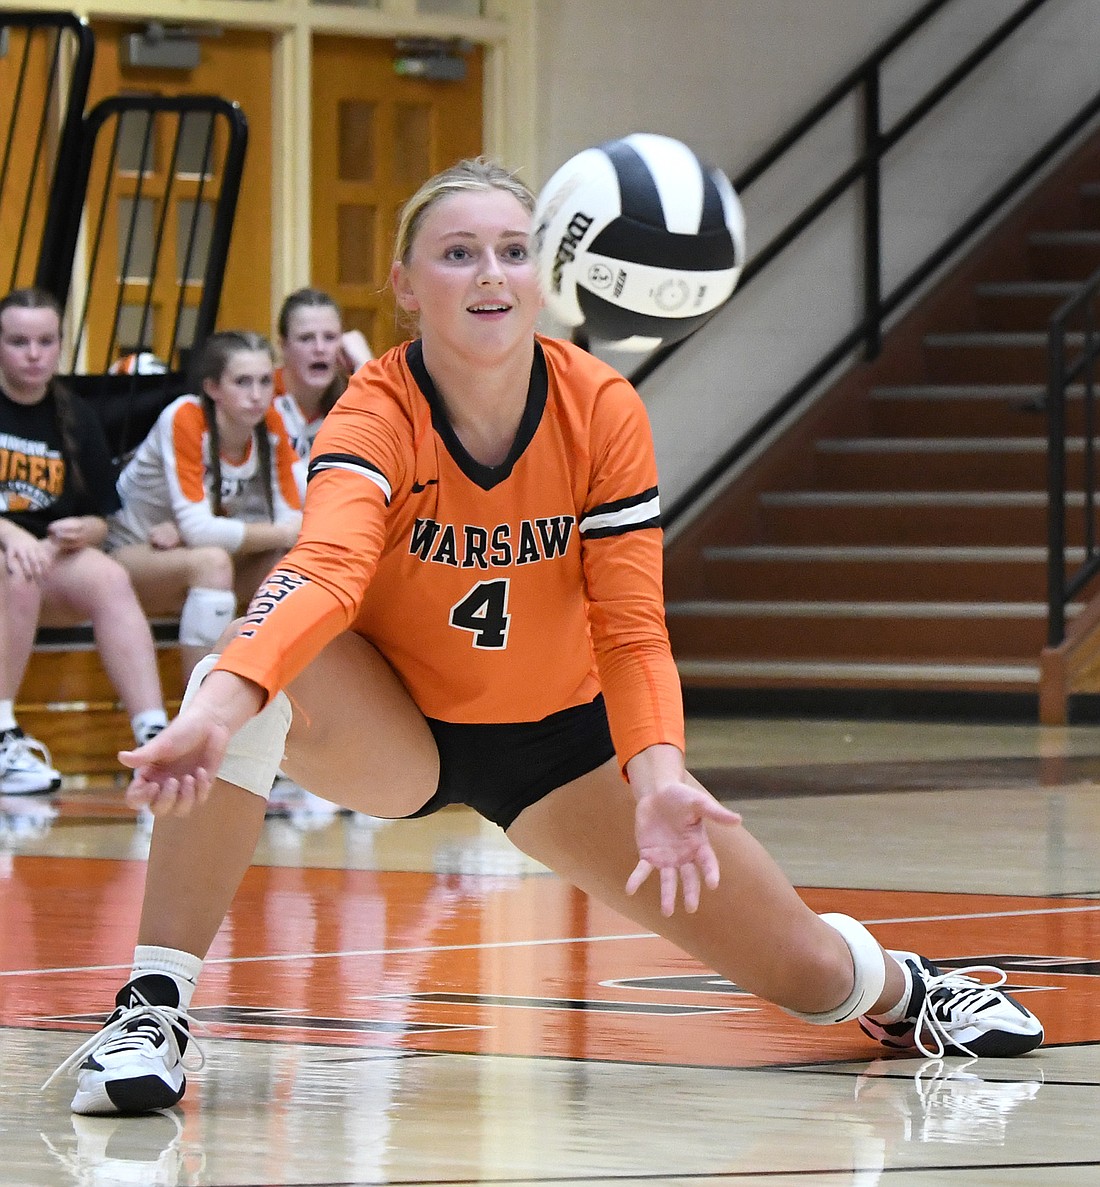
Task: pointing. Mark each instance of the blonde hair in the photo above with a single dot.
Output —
(474, 173)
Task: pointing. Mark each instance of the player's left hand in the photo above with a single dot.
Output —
(669, 826)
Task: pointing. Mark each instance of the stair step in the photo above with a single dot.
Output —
(908, 610)
(919, 517)
(1089, 196)
(869, 572)
(1026, 288)
(1063, 255)
(1026, 305)
(913, 554)
(948, 674)
(990, 357)
(965, 410)
(954, 463)
(895, 631)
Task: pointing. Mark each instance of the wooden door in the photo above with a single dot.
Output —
(237, 65)
(376, 136)
(44, 61)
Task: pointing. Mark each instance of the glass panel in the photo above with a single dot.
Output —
(356, 137)
(355, 244)
(194, 158)
(133, 128)
(412, 142)
(450, 7)
(130, 337)
(185, 336)
(203, 219)
(135, 243)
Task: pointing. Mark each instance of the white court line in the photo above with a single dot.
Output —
(982, 915)
(642, 935)
(288, 956)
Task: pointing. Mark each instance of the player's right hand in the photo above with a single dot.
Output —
(173, 772)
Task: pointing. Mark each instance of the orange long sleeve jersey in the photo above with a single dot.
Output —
(498, 594)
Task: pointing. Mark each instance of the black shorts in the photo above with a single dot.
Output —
(500, 769)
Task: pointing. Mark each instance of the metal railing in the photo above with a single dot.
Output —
(1073, 350)
(158, 231)
(865, 82)
(155, 184)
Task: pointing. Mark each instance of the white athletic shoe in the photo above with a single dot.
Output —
(25, 765)
(135, 1063)
(957, 1014)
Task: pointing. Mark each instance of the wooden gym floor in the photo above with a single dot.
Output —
(417, 1003)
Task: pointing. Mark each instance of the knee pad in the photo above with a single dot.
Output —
(255, 751)
(870, 973)
(205, 614)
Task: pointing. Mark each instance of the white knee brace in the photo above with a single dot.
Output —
(205, 614)
(870, 970)
(256, 750)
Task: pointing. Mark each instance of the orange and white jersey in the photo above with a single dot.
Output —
(301, 433)
(169, 479)
(498, 593)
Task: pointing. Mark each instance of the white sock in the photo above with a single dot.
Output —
(147, 724)
(7, 715)
(182, 967)
(900, 1010)
(205, 615)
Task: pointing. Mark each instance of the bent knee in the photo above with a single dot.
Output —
(211, 567)
(102, 581)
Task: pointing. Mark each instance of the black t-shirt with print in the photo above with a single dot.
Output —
(37, 484)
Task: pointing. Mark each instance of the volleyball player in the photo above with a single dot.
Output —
(473, 613)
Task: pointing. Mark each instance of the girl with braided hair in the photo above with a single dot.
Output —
(56, 490)
(211, 498)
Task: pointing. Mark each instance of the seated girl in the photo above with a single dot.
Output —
(56, 488)
(211, 499)
(319, 356)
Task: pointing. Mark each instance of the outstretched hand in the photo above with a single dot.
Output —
(173, 772)
(669, 825)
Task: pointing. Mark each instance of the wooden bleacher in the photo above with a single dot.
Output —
(67, 702)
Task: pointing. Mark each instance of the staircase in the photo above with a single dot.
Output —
(893, 540)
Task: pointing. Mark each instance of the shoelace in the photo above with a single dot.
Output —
(967, 997)
(135, 1023)
(22, 746)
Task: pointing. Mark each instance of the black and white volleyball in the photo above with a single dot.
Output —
(638, 241)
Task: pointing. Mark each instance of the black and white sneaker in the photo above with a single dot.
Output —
(135, 1063)
(957, 1014)
(25, 765)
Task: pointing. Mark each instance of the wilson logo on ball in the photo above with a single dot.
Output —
(567, 247)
